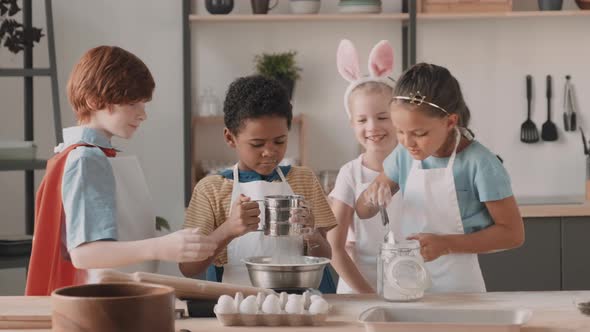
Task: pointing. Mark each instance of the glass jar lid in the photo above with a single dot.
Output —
(407, 245)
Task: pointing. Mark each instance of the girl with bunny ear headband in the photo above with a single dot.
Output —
(380, 67)
(355, 242)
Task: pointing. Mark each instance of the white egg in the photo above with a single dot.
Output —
(315, 297)
(260, 299)
(225, 305)
(271, 305)
(319, 306)
(283, 300)
(306, 299)
(294, 306)
(248, 306)
(238, 300)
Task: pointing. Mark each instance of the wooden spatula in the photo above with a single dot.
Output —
(185, 288)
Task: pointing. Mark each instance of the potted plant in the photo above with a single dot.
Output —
(13, 35)
(280, 66)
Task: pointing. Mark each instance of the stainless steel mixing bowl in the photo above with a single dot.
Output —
(305, 275)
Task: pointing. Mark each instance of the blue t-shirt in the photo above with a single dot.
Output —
(88, 189)
(479, 177)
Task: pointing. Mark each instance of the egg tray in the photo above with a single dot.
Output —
(262, 319)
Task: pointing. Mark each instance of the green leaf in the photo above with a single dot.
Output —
(13, 35)
(278, 65)
(162, 223)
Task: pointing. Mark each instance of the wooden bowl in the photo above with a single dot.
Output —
(113, 307)
(583, 4)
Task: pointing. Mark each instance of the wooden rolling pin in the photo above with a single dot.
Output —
(185, 288)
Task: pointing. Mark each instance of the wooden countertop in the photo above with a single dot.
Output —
(555, 210)
(552, 311)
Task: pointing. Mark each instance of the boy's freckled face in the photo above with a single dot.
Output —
(261, 143)
(122, 120)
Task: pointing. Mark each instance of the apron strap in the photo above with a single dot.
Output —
(357, 167)
(235, 193)
(280, 172)
(458, 140)
(418, 164)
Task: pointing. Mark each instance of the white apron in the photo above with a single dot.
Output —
(430, 206)
(368, 234)
(136, 219)
(253, 243)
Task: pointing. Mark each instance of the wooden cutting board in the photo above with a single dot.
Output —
(185, 288)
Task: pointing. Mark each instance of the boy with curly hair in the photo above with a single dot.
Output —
(257, 116)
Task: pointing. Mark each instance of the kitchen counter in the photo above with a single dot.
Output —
(553, 206)
(555, 210)
(552, 311)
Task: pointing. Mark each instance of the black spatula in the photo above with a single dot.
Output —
(528, 129)
(549, 130)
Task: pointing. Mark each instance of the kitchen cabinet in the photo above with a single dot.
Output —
(575, 256)
(536, 266)
(555, 256)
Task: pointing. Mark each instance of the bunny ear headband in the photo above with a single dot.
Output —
(380, 66)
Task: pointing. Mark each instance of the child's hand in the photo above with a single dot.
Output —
(303, 215)
(244, 217)
(378, 194)
(432, 246)
(184, 246)
(314, 240)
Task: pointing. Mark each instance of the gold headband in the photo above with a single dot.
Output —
(418, 99)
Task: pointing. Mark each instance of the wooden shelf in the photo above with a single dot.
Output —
(516, 14)
(218, 120)
(27, 72)
(384, 17)
(16, 165)
(207, 120)
(288, 17)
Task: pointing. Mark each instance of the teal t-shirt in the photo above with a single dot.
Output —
(479, 177)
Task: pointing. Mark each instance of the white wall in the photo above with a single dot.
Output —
(490, 57)
(151, 30)
(225, 51)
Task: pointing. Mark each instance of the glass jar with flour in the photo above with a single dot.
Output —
(401, 274)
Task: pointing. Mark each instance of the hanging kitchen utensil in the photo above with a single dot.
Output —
(570, 105)
(574, 122)
(566, 109)
(528, 130)
(584, 141)
(549, 130)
